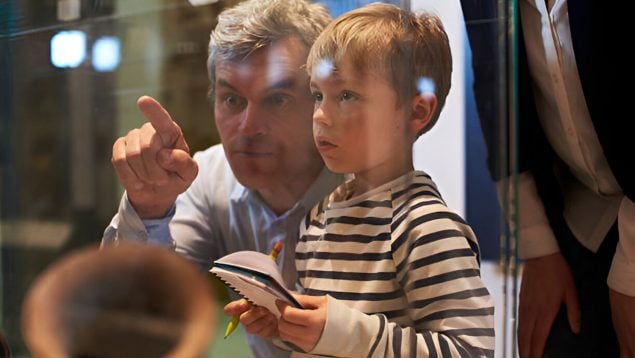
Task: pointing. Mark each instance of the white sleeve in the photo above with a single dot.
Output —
(357, 327)
(374, 336)
(622, 275)
(127, 226)
(535, 237)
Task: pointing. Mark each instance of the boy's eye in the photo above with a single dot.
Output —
(317, 96)
(347, 96)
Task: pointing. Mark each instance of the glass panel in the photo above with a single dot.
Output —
(62, 105)
(71, 72)
(481, 107)
(491, 39)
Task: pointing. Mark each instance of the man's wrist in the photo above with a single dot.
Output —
(151, 211)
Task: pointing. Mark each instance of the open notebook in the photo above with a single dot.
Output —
(254, 276)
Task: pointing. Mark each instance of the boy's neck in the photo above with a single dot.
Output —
(367, 181)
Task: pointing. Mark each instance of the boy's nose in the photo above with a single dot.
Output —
(320, 117)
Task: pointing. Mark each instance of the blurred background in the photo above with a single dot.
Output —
(70, 74)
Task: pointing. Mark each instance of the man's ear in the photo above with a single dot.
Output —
(422, 106)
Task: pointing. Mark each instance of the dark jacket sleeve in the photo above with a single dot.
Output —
(607, 99)
(513, 135)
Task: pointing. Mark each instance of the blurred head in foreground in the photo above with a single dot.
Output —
(126, 301)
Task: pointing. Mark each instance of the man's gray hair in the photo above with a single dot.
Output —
(254, 24)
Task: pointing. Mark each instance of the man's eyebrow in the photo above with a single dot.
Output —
(287, 83)
(222, 83)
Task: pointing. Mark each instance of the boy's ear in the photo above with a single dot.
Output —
(422, 108)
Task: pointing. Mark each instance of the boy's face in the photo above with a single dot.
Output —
(263, 112)
(359, 126)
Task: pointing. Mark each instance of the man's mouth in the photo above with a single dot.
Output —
(252, 152)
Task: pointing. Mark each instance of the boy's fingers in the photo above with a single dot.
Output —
(290, 314)
(281, 305)
(235, 307)
(310, 302)
(255, 314)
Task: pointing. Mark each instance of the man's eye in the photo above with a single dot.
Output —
(232, 101)
(278, 100)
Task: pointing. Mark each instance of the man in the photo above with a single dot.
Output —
(253, 190)
(576, 184)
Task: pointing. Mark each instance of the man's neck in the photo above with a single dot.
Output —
(284, 196)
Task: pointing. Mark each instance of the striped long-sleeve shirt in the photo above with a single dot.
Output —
(402, 273)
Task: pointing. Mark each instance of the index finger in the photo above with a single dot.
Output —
(167, 129)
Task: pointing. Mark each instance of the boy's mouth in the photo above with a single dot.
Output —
(323, 144)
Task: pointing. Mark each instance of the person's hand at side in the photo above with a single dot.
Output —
(302, 327)
(257, 320)
(546, 283)
(624, 321)
(153, 162)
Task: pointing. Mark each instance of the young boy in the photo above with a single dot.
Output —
(387, 268)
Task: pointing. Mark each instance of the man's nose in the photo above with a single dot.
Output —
(253, 122)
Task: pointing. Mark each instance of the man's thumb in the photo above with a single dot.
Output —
(178, 162)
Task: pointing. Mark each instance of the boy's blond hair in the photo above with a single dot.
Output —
(398, 44)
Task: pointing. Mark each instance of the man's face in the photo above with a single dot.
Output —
(263, 110)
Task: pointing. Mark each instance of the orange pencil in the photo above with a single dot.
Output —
(276, 250)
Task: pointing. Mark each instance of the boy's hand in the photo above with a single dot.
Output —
(237, 307)
(303, 327)
(257, 320)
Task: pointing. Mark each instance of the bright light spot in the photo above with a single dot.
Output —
(68, 49)
(426, 85)
(202, 2)
(106, 53)
(324, 68)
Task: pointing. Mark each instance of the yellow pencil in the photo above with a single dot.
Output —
(233, 323)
